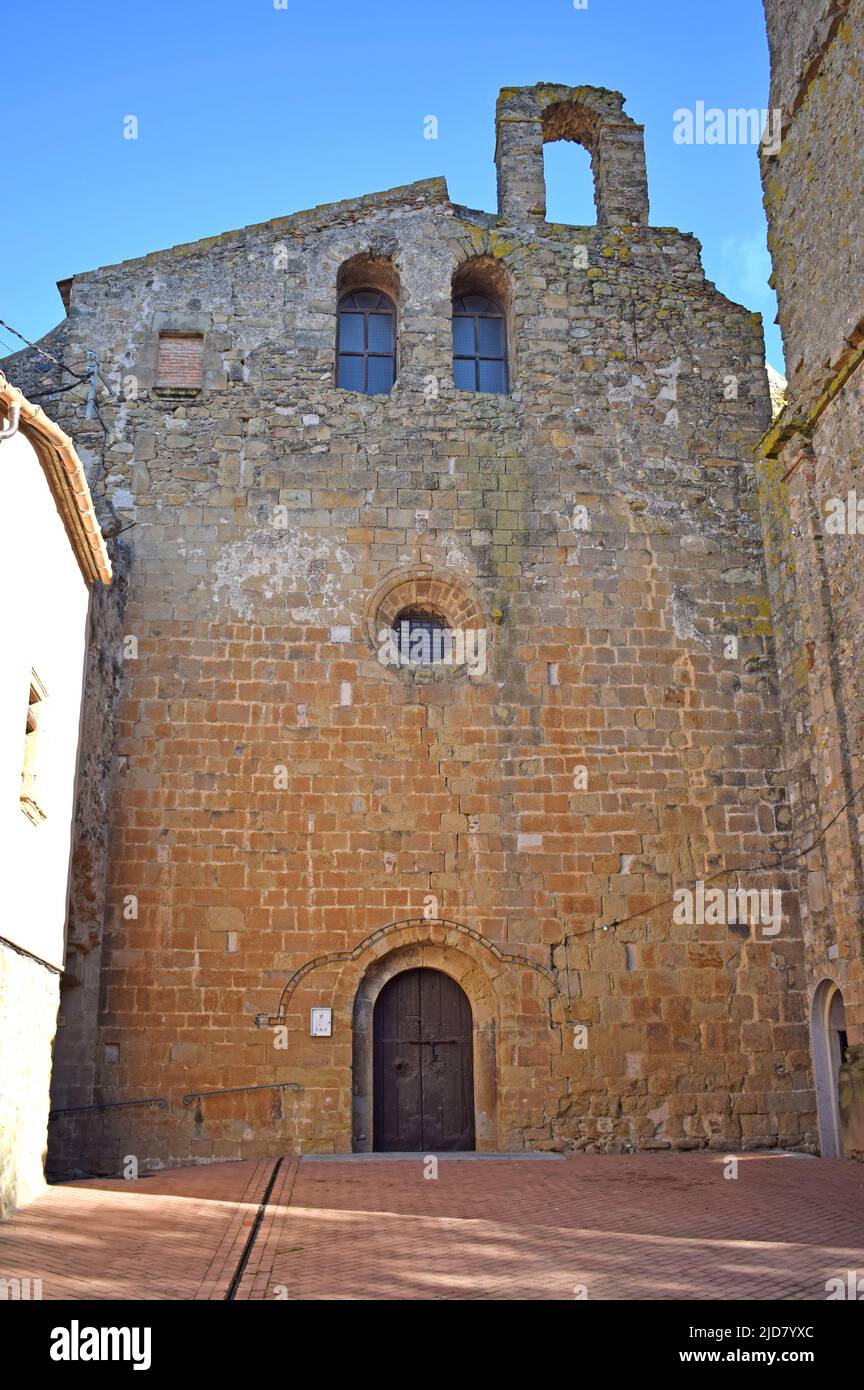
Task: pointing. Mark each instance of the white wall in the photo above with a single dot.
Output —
(45, 602)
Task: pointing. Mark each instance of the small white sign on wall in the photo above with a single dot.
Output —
(321, 1023)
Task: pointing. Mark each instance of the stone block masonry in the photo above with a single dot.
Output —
(811, 479)
(277, 846)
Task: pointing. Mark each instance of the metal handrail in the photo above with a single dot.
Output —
(233, 1090)
(160, 1101)
(163, 1103)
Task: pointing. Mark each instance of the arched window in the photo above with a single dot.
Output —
(422, 638)
(366, 342)
(479, 344)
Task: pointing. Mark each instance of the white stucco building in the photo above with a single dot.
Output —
(51, 553)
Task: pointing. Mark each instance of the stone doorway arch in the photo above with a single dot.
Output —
(473, 980)
(828, 1037)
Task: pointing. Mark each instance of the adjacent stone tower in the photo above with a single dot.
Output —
(814, 493)
(332, 873)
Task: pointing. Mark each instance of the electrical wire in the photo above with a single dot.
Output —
(49, 356)
(783, 862)
(55, 391)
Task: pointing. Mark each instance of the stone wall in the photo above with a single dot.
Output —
(292, 821)
(813, 187)
(812, 462)
(74, 1073)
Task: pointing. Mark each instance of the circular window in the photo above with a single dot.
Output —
(422, 638)
(427, 627)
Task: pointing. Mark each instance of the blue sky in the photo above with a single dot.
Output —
(247, 111)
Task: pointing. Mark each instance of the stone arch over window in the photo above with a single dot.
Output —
(450, 602)
(482, 326)
(367, 327)
(529, 117)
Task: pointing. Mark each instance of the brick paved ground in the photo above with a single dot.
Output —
(167, 1236)
(647, 1227)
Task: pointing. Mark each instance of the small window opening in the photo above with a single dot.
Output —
(570, 195)
(422, 638)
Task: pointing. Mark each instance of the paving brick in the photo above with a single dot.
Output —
(662, 1227)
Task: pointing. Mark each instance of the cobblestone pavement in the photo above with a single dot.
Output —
(644, 1227)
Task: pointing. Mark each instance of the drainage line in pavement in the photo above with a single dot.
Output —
(256, 1224)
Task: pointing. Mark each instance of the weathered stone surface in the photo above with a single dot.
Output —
(74, 1071)
(812, 462)
(275, 782)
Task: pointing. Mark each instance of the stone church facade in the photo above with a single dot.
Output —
(298, 822)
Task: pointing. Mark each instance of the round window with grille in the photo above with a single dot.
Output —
(425, 628)
(422, 638)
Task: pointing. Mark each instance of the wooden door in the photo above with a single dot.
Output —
(423, 1065)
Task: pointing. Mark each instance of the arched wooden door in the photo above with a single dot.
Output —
(423, 1074)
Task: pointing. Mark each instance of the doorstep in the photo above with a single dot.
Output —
(454, 1156)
